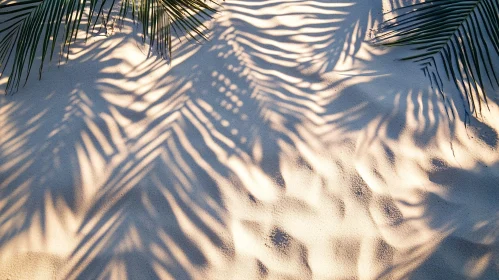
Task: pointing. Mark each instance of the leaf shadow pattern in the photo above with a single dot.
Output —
(75, 137)
(158, 163)
(412, 26)
(468, 247)
(158, 197)
(235, 117)
(147, 158)
(52, 126)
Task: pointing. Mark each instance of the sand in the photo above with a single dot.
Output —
(285, 147)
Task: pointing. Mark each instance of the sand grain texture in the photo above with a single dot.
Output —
(285, 147)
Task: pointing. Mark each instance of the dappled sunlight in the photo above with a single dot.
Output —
(286, 146)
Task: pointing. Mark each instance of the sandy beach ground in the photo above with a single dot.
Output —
(285, 147)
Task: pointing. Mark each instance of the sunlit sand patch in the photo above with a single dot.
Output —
(31, 266)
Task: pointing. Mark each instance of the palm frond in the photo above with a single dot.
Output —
(31, 29)
(458, 37)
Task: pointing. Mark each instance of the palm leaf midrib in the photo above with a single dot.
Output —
(452, 32)
(457, 32)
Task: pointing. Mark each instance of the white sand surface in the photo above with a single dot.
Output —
(285, 147)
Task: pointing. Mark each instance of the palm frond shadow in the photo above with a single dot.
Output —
(419, 115)
(145, 161)
(240, 111)
(470, 229)
(74, 134)
(53, 126)
(151, 192)
(460, 44)
(32, 28)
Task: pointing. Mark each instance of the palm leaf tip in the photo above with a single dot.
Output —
(457, 37)
(30, 29)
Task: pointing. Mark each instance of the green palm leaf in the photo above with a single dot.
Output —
(30, 28)
(458, 37)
